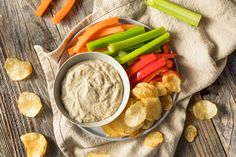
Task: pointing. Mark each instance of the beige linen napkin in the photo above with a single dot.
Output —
(202, 56)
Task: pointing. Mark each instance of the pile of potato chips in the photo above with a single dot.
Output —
(145, 106)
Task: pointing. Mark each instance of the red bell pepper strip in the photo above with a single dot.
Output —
(140, 64)
(154, 74)
(165, 49)
(147, 70)
(167, 56)
(169, 63)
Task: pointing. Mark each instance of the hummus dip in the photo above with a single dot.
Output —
(92, 90)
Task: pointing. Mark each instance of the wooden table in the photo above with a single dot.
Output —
(20, 29)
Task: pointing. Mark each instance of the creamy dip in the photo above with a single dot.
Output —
(92, 90)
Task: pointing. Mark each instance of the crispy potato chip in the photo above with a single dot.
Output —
(144, 90)
(153, 108)
(154, 139)
(97, 155)
(166, 102)
(130, 102)
(172, 82)
(190, 132)
(17, 69)
(161, 89)
(109, 131)
(35, 144)
(29, 104)
(137, 133)
(135, 114)
(204, 109)
(147, 124)
(117, 128)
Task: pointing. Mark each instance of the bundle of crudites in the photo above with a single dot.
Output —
(202, 55)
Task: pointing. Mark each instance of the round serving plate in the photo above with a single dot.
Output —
(97, 131)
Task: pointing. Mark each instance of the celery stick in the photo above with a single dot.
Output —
(134, 47)
(109, 53)
(113, 47)
(158, 41)
(120, 54)
(103, 42)
(177, 11)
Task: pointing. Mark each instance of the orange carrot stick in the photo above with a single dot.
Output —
(93, 30)
(108, 31)
(127, 26)
(63, 11)
(71, 50)
(42, 7)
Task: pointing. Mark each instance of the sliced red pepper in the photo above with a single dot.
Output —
(169, 63)
(147, 70)
(140, 64)
(167, 56)
(166, 49)
(154, 74)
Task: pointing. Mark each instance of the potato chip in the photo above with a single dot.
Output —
(137, 133)
(161, 89)
(97, 155)
(29, 104)
(153, 108)
(190, 132)
(117, 128)
(135, 114)
(109, 131)
(17, 69)
(35, 144)
(147, 124)
(144, 90)
(204, 109)
(130, 102)
(166, 102)
(154, 139)
(172, 82)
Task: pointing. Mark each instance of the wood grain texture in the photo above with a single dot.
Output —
(20, 29)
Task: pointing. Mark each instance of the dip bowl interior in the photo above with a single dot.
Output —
(91, 56)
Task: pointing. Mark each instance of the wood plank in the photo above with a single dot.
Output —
(223, 93)
(207, 143)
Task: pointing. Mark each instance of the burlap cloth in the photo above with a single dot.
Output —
(202, 53)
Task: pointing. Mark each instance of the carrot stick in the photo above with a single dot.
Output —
(109, 31)
(71, 50)
(127, 26)
(93, 30)
(42, 7)
(63, 11)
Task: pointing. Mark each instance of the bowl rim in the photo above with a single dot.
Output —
(90, 56)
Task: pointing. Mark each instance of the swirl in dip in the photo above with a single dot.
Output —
(92, 90)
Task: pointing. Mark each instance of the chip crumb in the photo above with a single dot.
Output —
(190, 133)
(17, 69)
(154, 139)
(204, 110)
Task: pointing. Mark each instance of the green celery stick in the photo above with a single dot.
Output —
(120, 54)
(134, 47)
(177, 11)
(121, 45)
(158, 41)
(109, 53)
(103, 42)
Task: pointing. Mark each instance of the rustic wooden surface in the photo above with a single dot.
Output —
(20, 29)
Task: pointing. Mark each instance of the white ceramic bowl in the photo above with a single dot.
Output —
(91, 56)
